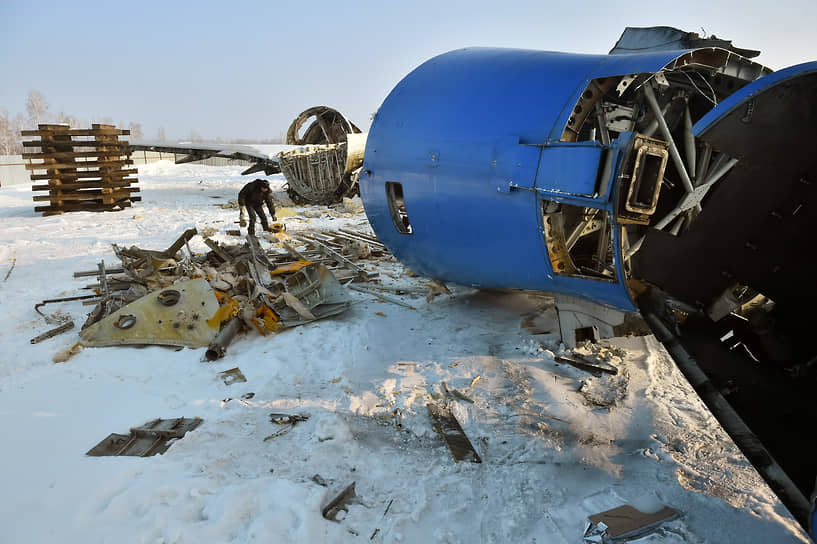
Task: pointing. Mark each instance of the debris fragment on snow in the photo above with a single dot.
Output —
(625, 523)
(152, 438)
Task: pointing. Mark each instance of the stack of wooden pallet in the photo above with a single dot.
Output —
(84, 168)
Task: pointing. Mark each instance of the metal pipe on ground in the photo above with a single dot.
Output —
(218, 347)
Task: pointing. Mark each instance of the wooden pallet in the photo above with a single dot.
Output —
(85, 168)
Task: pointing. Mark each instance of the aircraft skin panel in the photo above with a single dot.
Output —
(475, 95)
(492, 233)
(612, 65)
(571, 168)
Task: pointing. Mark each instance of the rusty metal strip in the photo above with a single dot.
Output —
(13, 263)
(53, 332)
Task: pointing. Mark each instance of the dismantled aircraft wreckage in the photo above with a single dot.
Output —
(177, 298)
(674, 176)
(327, 167)
(321, 163)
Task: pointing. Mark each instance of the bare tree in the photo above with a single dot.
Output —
(18, 125)
(69, 120)
(7, 136)
(135, 131)
(37, 108)
(10, 137)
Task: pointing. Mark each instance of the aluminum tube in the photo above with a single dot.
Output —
(703, 161)
(673, 149)
(689, 143)
(218, 347)
(720, 171)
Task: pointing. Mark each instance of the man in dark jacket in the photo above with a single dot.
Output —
(252, 198)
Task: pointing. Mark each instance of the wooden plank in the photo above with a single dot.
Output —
(82, 154)
(48, 130)
(83, 185)
(57, 192)
(72, 143)
(77, 132)
(94, 194)
(78, 164)
(84, 175)
(84, 207)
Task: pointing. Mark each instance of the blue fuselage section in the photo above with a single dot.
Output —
(473, 138)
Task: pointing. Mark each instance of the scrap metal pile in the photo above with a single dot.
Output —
(328, 166)
(179, 298)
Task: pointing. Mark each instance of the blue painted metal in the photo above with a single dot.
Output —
(473, 138)
(748, 92)
(613, 65)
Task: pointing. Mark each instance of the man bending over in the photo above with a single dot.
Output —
(251, 198)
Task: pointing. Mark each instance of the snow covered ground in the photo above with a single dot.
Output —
(551, 454)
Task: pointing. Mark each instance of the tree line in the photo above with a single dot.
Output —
(37, 111)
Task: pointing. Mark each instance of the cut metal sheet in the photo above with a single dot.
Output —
(154, 437)
(317, 290)
(461, 448)
(176, 316)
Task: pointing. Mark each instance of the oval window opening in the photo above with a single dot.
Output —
(397, 207)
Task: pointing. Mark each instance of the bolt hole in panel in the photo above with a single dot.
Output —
(125, 321)
(169, 297)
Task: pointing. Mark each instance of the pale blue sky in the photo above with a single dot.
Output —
(246, 69)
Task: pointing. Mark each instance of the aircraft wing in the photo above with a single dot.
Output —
(265, 158)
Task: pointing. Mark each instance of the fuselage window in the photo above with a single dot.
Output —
(397, 207)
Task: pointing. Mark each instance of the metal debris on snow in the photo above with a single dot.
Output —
(456, 439)
(287, 421)
(593, 366)
(624, 523)
(154, 437)
(339, 503)
(53, 332)
(231, 376)
(170, 297)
